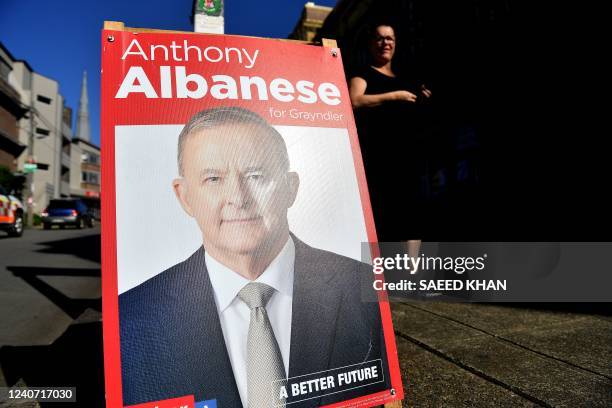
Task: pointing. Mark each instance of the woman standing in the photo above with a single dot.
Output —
(387, 113)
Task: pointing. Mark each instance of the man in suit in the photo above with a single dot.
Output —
(254, 305)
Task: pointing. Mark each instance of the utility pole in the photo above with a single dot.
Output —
(29, 199)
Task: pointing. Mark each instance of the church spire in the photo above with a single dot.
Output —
(82, 130)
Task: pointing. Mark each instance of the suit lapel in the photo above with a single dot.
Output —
(315, 309)
(201, 340)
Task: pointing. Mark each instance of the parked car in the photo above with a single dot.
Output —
(11, 214)
(66, 211)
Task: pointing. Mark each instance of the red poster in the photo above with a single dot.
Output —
(235, 208)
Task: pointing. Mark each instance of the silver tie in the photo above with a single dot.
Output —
(265, 369)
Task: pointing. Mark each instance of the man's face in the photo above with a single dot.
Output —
(235, 185)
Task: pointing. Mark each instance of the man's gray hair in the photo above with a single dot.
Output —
(215, 117)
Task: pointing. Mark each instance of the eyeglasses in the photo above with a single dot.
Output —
(381, 40)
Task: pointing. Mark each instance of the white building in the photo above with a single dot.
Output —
(85, 158)
(44, 132)
(85, 173)
(66, 166)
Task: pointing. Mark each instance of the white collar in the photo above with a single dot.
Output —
(226, 283)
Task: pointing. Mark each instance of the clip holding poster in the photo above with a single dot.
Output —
(230, 161)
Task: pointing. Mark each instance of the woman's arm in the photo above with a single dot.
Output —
(357, 88)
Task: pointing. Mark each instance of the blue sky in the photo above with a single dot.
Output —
(60, 39)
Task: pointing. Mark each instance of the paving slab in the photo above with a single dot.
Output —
(432, 381)
(498, 318)
(579, 339)
(586, 343)
(548, 380)
(541, 379)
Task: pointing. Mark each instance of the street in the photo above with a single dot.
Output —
(50, 331)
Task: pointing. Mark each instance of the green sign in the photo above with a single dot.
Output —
(30, 167)
(210, 7)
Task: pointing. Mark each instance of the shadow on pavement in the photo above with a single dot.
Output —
(86, 247)
(72, 307)
(73, 360)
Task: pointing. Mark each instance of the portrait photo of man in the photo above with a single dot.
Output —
(254, 304)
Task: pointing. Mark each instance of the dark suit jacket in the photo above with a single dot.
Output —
(172, 343)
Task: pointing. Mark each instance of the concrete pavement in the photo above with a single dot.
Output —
(483, 355)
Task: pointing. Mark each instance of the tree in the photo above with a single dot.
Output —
(12, 183)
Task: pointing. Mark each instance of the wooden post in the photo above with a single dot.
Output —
(329, 43)
(114, 25)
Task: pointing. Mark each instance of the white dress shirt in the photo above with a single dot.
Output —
(235, 315)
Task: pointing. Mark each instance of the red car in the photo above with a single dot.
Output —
(11, 214)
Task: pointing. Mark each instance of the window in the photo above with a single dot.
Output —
(89, 177)
(60, 204)
(43, 132)
(90, 158)
(43, 99)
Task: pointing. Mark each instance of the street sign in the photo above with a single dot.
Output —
(30, 167)
(208, 17)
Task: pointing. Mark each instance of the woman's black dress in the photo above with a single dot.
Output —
(392, 149)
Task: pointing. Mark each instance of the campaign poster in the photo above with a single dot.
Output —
(234, 208)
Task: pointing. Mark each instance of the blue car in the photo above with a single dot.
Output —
(66, 211)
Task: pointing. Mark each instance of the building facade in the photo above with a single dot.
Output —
(85, 158)
(85, 173)
(11, 111)
(310, 22)
(44, 132)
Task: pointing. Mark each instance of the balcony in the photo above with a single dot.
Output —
(65, 189)
(90, 186)
(90, 167)
(65, 160)
(66, 132)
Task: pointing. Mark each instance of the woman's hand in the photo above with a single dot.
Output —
(404, 96)
(359, 99)
(425, 92)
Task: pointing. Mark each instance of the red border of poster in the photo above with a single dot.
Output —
(290, 61)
